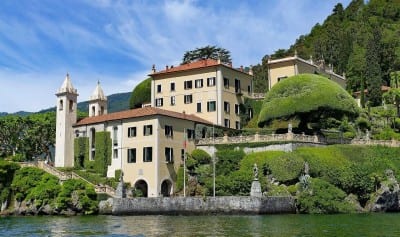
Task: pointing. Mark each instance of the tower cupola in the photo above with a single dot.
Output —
(97, 102)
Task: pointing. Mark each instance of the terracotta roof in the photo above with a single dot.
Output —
(137, 113)
(194, 65)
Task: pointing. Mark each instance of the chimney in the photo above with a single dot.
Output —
(241, 68)
(172, 66)
(219, 60)
(311, 60)
(251, 70)
(153, 69)
(166, 68)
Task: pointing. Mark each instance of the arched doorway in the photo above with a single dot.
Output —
(166, 188)
(141, 187)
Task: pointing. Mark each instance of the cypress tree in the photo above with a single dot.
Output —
(373, 72)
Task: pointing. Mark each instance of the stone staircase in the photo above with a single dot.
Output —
(63, 176)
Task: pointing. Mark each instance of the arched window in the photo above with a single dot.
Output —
(102, 110)
(61, 105)
(71, 105)
(93, 143)
(93, 110)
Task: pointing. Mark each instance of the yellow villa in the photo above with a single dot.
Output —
(279, 69)
(207, 88)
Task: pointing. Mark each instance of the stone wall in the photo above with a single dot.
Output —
(198, 205)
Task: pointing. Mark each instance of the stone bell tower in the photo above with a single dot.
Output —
(97, 102)
(66, 116)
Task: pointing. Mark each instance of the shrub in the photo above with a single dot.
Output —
(201, 156)
(308, 97)
(322, 197)
(228, 161)
(141, 94)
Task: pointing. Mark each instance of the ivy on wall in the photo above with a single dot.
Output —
(81, 152)
(102, 157)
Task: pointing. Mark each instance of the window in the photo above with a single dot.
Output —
(147, 154)
(115, 136)
(93, 155)
(172, 86)
(237, 109)
(169, 132)
(169, 155)
(188, 99)
(115, 153)
(188, 85)
(101, 110)
(93, 111)
(147, 130)
(159, 102)
(226, 107)
(190, 134)
(237, 125)
(71, 105)
(237, 86)
(227, 123)
(211, 106)
(199, 107)
(198, 83)
(158, 88)
(61, 105)
(93, 138)
(182, 154)
(173, 100)
(132, 155)
(226, 83)
(211, 81)
(249, 89)
(132, 132)
(250, 112)
(281, 78)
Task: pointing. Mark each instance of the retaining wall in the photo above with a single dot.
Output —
(198, 205)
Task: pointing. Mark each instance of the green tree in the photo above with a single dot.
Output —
(373, 70)
(141, 94)
(307, 97)
(207, 52)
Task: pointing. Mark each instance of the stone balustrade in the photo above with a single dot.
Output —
(389, 143)
(262, 138)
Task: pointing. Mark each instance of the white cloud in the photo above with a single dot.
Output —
(117, 42)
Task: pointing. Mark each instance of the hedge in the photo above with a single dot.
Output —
(307, 96)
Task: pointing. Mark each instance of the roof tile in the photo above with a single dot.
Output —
(137, 113)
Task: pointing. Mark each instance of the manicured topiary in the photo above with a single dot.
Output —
(141, 94)
(307, 97)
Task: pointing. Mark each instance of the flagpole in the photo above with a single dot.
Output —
(213, 163)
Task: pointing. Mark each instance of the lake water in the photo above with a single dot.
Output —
(268, 225)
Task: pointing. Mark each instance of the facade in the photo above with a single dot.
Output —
(207, 88)
(279, 69)
(147, 144)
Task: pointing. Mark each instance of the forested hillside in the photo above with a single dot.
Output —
(361, 40)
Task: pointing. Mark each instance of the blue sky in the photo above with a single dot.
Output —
(117, 42)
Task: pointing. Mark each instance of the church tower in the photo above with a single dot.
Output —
(97, 102)
(66, 116)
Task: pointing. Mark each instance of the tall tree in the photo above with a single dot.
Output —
(373, 72)
(207, 52)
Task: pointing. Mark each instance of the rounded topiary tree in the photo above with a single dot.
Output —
(141, 94)
(309, 98)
